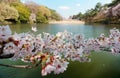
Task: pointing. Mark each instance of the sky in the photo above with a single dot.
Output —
(67, 8)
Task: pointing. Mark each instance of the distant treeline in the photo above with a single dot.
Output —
(14, 11)
(108, 13)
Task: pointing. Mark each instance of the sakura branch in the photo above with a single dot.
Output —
(53, 52)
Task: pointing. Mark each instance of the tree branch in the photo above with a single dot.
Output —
(15, 66)
(22, 66)
(6, 56)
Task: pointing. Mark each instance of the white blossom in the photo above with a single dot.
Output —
(55, 51)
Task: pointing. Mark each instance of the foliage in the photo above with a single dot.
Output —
(78, 16)
(45, 11)
(8, 13)
(9, 1)
(34, 8)
(89, 13)
(98, 7)
(43, 14)
(40, 18)
(108, 13)
(94, 11)
(55, 15)
(24, 12)
(113, 3)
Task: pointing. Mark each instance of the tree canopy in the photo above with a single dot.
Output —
(89, 13)
(27, 12)
(7, 12)
(114, 2)
(108, 13)
(24, 12)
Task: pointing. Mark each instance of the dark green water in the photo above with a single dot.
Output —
(103, 65)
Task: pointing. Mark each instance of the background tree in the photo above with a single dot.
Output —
(113, 3)
(34, 8)
(43, 14)
(89, 14)
(9, 1)
(45, 11)
(27, 12)
(24, 12)
(98, 7)
(40, 18)
(55, 15)
(8, 13)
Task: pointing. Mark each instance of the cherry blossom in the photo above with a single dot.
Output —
(55, 51)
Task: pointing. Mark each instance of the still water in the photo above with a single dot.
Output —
(103, 64)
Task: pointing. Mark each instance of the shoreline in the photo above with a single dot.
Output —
(67, 22)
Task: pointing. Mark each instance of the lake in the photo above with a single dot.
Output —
(103, 64)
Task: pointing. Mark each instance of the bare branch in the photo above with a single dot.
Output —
(6, 56)
(22, 66)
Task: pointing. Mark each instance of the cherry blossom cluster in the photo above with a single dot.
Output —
(55, 51)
